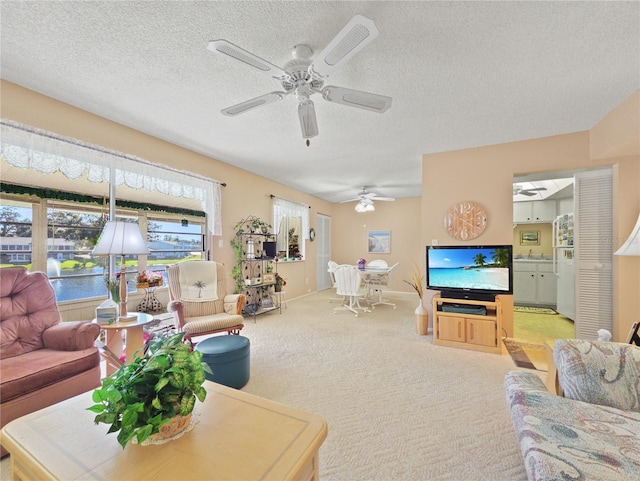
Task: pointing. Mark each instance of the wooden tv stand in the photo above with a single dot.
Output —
(468, 331)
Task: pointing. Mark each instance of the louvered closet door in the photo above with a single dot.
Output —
(593, 252)
(323, 251)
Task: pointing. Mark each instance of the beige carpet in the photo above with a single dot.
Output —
(398, 407)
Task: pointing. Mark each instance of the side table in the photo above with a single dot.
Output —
(134, 336)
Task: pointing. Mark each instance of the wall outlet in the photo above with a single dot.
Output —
(434, 242)
(220, 243)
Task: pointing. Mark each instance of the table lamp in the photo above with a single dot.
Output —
(121, 238)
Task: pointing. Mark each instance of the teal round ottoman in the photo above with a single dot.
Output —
(228, 358)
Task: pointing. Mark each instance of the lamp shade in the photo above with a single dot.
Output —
(631, 247)
(120, 238)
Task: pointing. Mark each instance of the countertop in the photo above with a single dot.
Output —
(535, 259)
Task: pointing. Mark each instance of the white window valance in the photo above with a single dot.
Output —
(286, 208)
(48, 153)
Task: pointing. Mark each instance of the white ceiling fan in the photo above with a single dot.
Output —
(304, 77)
(519, 190)
(365, 200)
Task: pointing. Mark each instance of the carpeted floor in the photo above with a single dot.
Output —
(397, 406)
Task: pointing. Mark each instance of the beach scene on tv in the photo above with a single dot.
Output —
(483, 268)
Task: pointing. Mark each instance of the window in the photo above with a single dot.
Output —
(71, 229)
(291, 226)
(55, 230)
(15, 233)
(172, 240)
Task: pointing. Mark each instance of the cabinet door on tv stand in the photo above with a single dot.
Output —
(451, 328)
(481, 332)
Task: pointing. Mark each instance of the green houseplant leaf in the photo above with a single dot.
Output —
(142, 396)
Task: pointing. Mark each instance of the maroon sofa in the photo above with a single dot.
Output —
(42, 360)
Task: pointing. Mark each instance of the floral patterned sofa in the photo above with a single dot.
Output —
(593, 432)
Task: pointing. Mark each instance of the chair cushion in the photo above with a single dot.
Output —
(563, 439)
(203, 324)
(27, 308)
(605, 373)
(34, 370)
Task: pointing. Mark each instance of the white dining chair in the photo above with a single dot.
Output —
(331, 269)
(380, 284)
(349, 285)
(378, 264)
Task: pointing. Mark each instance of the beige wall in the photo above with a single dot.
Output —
(485, 175)
(401, 217)
(246, 193)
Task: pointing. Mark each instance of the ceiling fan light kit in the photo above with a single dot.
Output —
(303, 77)
(365, 205)
(365, 200)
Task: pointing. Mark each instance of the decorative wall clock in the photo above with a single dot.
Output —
(465, 220)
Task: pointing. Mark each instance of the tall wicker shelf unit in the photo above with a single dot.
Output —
(258, 270)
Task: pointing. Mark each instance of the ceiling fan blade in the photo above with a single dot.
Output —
(253, 103)
(350, 200)
(307, 116)
(383, 198)
(527, 193)
(227, 48)
(357, 98)
(535, 189)
(355, 35)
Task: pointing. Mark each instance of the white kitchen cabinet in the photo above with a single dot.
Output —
(547, 285)
(534, 211)
(534, 283)
(524, 283)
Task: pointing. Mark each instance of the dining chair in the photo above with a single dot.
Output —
(382, 283)
(331, 269)
(378, 263)
(349, 285)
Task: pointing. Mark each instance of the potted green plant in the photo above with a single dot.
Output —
(154, 393)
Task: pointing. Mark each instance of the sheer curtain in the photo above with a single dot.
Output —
(28, 148)
(286, 208)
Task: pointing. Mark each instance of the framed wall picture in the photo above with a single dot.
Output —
(530, 238)
(379, 241)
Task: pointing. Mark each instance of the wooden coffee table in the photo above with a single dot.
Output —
(238, 436)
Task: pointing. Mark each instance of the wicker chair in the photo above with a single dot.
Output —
(199, 317)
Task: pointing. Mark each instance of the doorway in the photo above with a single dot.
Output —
(586, 200)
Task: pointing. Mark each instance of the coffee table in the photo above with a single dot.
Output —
(238, 436)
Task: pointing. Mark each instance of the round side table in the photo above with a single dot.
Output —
(134, 336)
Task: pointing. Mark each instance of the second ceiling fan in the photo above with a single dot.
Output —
(365, 200)
(304, 77)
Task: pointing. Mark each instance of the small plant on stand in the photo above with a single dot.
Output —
(149, 279)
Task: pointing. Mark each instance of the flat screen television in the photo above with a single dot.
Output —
(470, 272)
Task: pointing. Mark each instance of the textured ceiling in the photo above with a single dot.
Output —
(461, 74)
